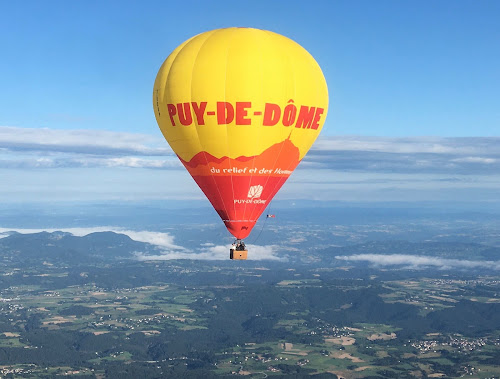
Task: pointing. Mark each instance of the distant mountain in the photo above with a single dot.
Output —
(61, 247)
(65, 247)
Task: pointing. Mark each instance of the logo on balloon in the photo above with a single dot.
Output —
(255, 192)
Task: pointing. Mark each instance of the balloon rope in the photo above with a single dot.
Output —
(268, 210)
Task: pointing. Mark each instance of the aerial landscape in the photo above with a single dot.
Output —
(350, 150)
(347, 300)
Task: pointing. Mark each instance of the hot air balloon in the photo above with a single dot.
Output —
(240, 107)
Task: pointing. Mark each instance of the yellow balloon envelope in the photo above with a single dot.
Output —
(240, 107)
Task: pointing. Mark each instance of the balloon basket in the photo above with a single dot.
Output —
(238, 254)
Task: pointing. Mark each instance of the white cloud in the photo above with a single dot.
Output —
(415, 155)
(220, 252)
(89, 161)
(29, 148)
(164, 241)
(475, 160)
(135, 162)
(80, 141)
(410, 145)
(417, 261)
(161, 239)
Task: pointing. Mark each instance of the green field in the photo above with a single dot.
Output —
(275, 326)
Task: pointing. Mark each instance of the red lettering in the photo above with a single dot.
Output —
(199, 111)
(225, 113)
(305, 118)
(272, 113)
(319, 112)
(289, 114)
(171, 112)
(185, 117)
(241, 112)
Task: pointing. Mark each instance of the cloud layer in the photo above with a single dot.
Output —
(431, 155)
(78, 141)
(51, 148)
(219, 252)
(419, 262)
(165, 242)
(76, 165)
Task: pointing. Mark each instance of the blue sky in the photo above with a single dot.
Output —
(406, 79)
(394, 68)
